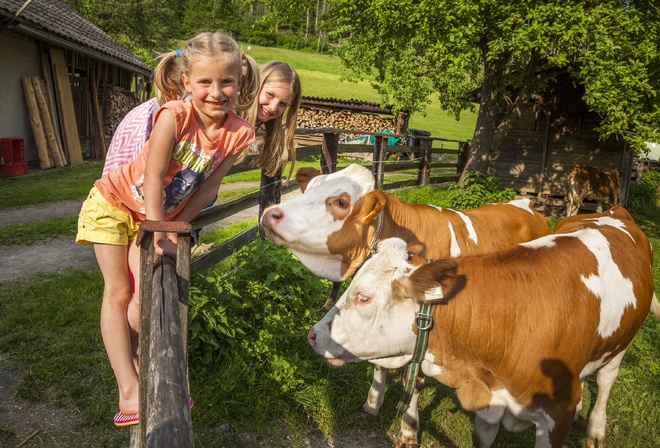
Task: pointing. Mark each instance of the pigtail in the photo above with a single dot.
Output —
(249, 84)
(167, 78)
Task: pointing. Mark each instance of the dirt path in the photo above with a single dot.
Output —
(62, 253)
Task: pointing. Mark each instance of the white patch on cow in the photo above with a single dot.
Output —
(454, 249)
(378, 330)
(523, 204)
(394, 362)
(614, 291)
(502, 400)
(609, 221)
(324, 266)
(429, 367)
(592, 366)
(472, 234)
(544, 241)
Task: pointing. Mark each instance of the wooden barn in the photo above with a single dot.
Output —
(556, 132)
(63, 80)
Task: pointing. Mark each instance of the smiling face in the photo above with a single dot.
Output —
(274, 98)
(213, 84)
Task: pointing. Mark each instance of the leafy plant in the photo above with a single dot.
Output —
(477, 190)
(644, 196)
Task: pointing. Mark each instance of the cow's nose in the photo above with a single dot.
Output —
(311, 337)
(271, 217)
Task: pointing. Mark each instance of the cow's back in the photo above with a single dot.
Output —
(489, 228)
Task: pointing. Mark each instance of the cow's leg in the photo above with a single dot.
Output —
(376, 391)
(410, 419)
(513, 424)
(599, 206)
(598, 418)
(483, 433)
(578, 408)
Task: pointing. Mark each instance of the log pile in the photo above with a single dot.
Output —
(342, 119)
(119, 102)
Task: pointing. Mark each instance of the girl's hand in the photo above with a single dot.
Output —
(165, 244)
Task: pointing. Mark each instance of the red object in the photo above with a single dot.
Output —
(14, 169)
(12, 150)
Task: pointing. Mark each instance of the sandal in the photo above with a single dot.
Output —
(121, 419)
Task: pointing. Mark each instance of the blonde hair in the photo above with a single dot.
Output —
(167, 74)
(279, 146)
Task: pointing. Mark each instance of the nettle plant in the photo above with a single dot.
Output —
(254, 308)
(477, 190)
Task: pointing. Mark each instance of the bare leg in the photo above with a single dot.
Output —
(113, 262)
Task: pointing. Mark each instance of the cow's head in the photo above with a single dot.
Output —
(375, 318)
(327, 226)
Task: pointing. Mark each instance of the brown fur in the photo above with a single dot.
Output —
(590, 182)
(513, 319)
(497, 227)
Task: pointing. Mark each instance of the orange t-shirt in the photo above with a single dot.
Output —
(194, 158)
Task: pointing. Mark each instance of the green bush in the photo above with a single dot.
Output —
(644, 195)
(477, 190)
(254, 309)
(257, 35)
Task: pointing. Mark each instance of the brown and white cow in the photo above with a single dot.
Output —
(590, 182)
(514, 332)
(331, 227)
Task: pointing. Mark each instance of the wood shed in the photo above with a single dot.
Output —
(555, 132)
(63, 79)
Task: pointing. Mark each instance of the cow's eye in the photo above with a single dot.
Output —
(341, 202)
(361, 299)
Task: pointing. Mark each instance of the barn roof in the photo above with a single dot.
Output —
(56, 22)
(337, 104)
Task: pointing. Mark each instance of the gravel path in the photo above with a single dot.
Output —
(63, 253)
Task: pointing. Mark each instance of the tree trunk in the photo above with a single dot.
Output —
(495, 118)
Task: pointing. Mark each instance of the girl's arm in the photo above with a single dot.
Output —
(206, 191)
(161, 144)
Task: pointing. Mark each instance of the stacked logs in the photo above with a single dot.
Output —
(343, 119)
(119, 102)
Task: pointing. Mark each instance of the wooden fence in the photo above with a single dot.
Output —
(417, 163)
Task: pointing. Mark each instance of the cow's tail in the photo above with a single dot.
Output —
(655, 306)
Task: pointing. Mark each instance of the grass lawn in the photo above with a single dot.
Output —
(320, 77)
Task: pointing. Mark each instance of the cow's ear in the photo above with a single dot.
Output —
(433, 281)
(304, 175)
(372, 204)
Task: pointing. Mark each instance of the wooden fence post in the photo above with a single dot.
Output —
(165, 418)
(270, 191)
(424, 171)
(377, 167)
(329, 156)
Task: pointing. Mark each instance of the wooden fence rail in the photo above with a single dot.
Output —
(416, 161)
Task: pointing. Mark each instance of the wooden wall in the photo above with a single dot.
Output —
(554, 134)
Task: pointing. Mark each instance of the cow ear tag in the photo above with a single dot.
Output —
(434, 293)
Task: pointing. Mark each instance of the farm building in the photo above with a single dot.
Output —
(66, 84)
(555, 132)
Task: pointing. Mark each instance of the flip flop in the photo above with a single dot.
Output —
(133, 419)
(126, 420)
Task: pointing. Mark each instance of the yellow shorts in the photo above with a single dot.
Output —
(101, 222)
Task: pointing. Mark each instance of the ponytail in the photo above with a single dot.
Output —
(167, 78)
(249, 84)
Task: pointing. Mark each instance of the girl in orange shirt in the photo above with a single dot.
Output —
(192, 146)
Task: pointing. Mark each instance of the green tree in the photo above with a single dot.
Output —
(508, 50)
(145, 27)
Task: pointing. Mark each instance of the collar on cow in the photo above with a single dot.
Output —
(424, 322)
(374, 240)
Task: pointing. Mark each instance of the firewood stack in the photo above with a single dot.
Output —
(342, 119)
(120, 103)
